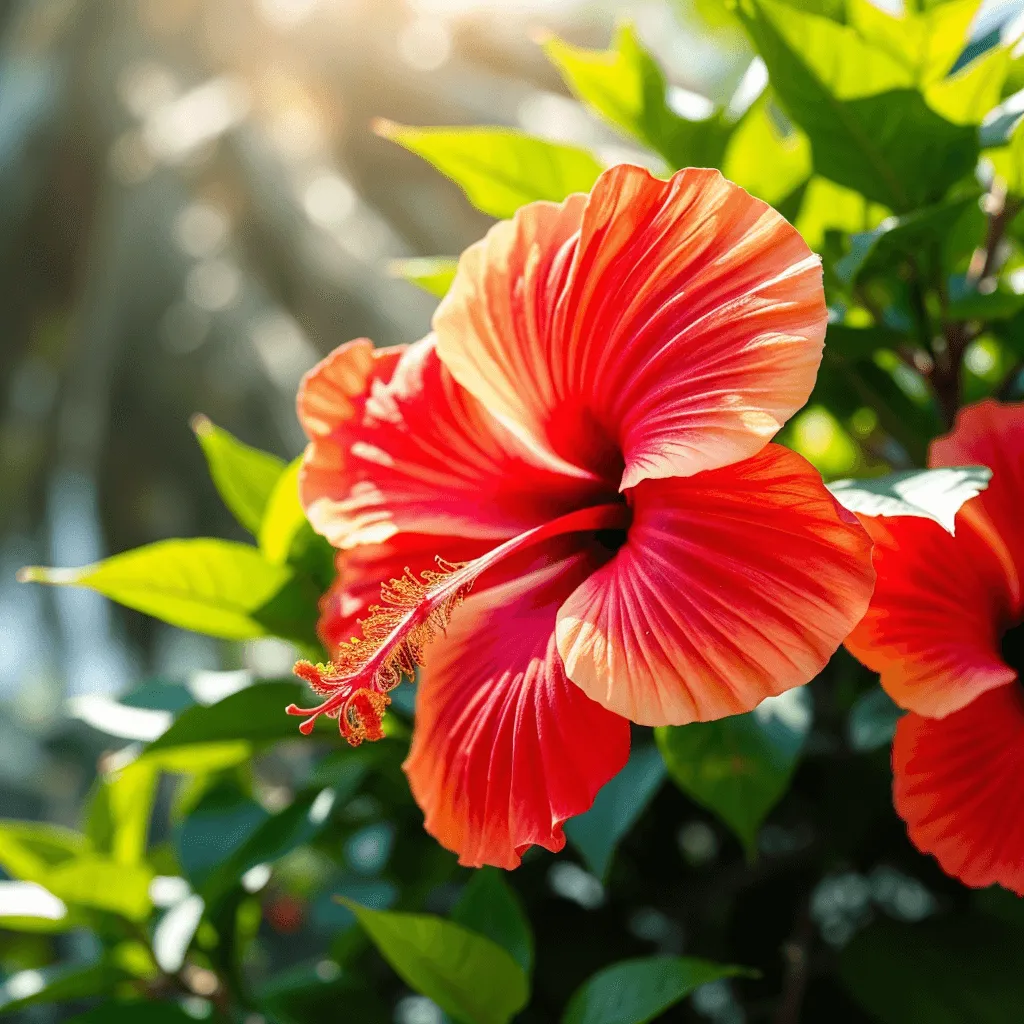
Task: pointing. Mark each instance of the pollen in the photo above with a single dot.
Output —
(356, 683)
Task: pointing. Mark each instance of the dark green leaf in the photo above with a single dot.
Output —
(58, 985)
(467, 975)
(243, 476)
(740, 767)
(625, 86)
(211, 586)
(490, 907)
(872, 721)
(962, 971)
(134, 1013)
(254, 715)
(637, 991)
(616, 809)
(935, 494)
(499, 169)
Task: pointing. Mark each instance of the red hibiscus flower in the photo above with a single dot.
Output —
(571, 479)
(944, 630)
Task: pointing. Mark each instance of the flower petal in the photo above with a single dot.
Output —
(936, 616)
(397, 445)
(959, 785)
(673, 325)
(732, 586)
(504, 747)
(992, 434)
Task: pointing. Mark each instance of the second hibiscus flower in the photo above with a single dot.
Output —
(572, 480)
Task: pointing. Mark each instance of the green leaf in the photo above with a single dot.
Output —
(957, 971)
(740, 767)
(1008, 160)
(490, 907)
(617, 807)
(499, 169)
(434, 274)
(910, 236)
(625, 86)
(29, 851)
(58, 985)
(211, 586)
(827, 207)
(244, 476)
(935, 494)
(30, 907)
(927, 43)
(250, 716)
(637, 991)
(119, 811)
(769, 158)
(286, 537)
(468, 976)
(967, 96)
(101, 883)
(870, 130)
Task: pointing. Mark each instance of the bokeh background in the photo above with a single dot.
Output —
(193, 209)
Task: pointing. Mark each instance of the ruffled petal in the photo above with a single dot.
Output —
(657, 329)
(959, 786)
(397, 446)
(363, 569)
(992, 434)
(732, 586)
(504, 747)
(939, 608)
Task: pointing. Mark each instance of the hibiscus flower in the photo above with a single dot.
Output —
(568, 492)
(945, 631)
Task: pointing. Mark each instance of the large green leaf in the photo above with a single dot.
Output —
(935, 494)
(468, 976)
(637, 991)
(769, 158)
(869, 128)
(617, 807)
(499, 169)
(961, 971)
(625, 86)
(490, 907)
(244, 476)
(740, 767)
(29, 850)
(118, 814)
(211, 586)
(434, 274)
(100, 883)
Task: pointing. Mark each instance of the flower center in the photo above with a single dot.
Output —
(1011, 648)
(413, 610)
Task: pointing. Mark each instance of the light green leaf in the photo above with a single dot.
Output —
(935, 494)
(927, 43)
(869, 128)
(119, 812)
(967, 96)
(827, 207)
(211, 586)
(102, 884)
(434, 274)
(617, 807)
(28, 851)
(625, 86)
(490, 907)
(1008, 160)
(30, 907)
(740, 767)
(768, 162)
(243, 476)
(637, 991)
(499, 169)
(468, 976)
